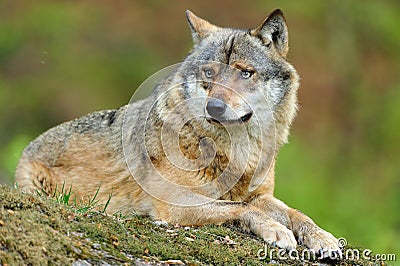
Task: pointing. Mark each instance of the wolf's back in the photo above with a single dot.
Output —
(59, 154)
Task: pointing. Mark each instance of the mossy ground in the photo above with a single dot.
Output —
(37, 230)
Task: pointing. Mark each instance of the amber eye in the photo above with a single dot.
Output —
(246, 74)
(208, 73)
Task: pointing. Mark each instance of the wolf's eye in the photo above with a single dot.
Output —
(208, 73)
(246, 74)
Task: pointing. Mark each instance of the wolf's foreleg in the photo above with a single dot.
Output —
(219, 211)
(303, 227)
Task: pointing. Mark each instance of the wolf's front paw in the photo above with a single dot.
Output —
(276, 234)
(322, 243)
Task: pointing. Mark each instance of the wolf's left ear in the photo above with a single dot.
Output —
(200, 28)
(274, 30)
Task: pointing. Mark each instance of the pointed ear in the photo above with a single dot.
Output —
(200, 28)
(274, 30)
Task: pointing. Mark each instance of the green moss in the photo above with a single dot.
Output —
(37, 230)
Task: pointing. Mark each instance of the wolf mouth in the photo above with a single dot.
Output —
(241, 120)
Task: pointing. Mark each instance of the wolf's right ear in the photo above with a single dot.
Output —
(273, 30)
(200, 28)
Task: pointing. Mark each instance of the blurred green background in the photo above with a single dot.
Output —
(62, 59)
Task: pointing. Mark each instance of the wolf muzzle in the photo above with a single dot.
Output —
(217, 113)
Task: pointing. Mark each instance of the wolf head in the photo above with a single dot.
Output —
(232, 75)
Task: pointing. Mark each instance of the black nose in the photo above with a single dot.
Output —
(216, 108)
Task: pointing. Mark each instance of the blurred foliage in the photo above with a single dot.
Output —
(62, 59)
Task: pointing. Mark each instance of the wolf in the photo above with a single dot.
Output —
(200, 149)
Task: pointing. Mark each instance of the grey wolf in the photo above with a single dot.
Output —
(200, 149)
